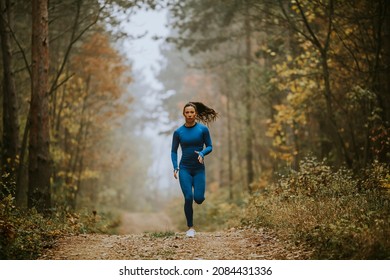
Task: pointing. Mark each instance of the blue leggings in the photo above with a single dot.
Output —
(192, 178)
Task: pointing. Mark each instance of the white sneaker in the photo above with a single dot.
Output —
(190, 233)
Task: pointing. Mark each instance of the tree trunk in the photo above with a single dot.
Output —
(248, 120)
(386, 71)
(382, 78)
(10, 104)
(229, 136)
(22, 174)
(39, 193)
(341, 150)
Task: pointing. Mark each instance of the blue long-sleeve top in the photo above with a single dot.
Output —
(191, 139)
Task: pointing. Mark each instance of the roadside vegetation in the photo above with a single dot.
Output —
(24, 234)
(333, 213)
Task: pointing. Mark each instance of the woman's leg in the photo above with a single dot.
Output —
(199, 186)
(186, 182)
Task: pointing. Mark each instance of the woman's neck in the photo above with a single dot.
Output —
(190, 124)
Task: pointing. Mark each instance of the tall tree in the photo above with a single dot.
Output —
(10, 101)
(323, 45)
(39, 141)
(248, 97)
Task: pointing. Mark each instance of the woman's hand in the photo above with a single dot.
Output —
(200, 157)
(175, 173)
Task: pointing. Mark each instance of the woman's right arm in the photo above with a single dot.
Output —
(175, 146)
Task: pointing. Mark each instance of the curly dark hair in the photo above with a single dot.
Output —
(205, 114)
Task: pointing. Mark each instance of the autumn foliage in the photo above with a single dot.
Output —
(296, 80)
(88, 109)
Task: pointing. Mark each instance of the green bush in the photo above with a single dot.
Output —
(338, 214)
(22, 235)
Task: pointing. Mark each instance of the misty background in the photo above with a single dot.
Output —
(148, 119)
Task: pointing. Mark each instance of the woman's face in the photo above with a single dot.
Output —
(189, 114)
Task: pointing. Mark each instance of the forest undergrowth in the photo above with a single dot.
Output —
(339, 214)
(24, 233)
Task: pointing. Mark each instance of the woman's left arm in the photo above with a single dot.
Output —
(207, 142)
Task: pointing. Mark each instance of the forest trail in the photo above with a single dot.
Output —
(138, 243)
(145, 222)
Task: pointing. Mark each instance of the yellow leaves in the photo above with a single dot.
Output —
(90, 174)
(93, 99)
(295, 88)
(285, 119)
(308, 11)
(103, 74)
(90, 103)
(386, 181)
(284, 154)
(295, 78)
(294, 7)
(57, 154)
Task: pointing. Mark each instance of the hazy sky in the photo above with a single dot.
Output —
(145, 52)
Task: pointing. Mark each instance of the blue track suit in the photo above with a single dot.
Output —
(192, 172)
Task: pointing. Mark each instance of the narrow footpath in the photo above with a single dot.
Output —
(138, 240)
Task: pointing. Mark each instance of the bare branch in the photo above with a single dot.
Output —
(19, 46)
(73, 40)
(308, 27)
(292, 24)
(330, 23)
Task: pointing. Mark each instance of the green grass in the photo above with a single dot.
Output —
(162, 234)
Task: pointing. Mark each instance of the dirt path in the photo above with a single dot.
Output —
(145, 222)
(135, 244)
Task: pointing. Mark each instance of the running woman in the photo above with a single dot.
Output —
(195, 142)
